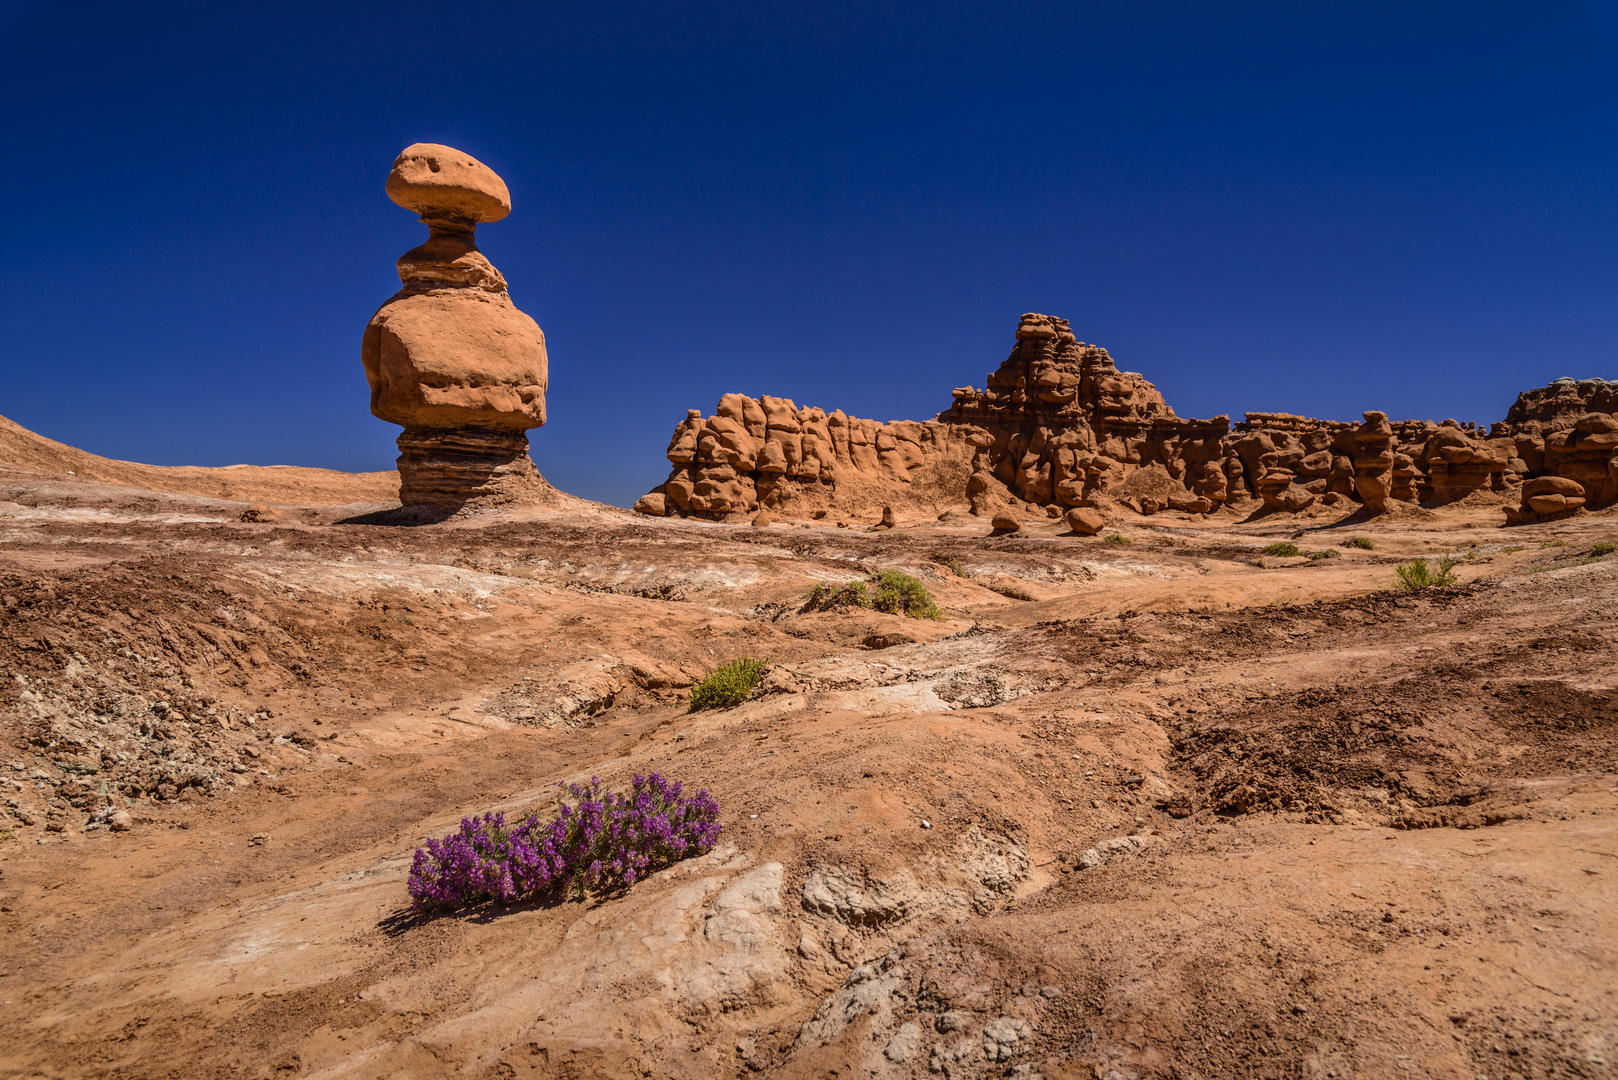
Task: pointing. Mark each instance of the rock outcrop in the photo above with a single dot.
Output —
(449, 357)
(768, 452)
(1547, 498)
(1058, 427)
(1560, 405)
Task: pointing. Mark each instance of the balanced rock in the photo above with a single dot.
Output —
(1373, 461)
(1547, 498)
(1552, 485)
(1085, 520)
(449, 357)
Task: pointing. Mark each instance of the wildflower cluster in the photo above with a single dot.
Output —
(602, 841)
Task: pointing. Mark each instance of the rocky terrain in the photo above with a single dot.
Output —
(1149, 803)
(1058, 426)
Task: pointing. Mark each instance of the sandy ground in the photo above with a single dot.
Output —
(1163, 808)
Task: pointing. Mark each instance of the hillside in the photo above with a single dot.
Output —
(25, 451)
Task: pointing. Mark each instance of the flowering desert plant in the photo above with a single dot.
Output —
(601, 841)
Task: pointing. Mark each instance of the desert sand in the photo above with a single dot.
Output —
(1147, 803)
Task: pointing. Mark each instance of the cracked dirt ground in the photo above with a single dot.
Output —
(1155, 809)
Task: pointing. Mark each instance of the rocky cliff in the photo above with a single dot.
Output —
(1058, 425)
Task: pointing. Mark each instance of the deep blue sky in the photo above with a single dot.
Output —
(1316, 208)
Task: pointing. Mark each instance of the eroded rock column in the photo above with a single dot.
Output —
(449, 357)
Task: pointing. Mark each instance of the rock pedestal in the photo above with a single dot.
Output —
(449, 357)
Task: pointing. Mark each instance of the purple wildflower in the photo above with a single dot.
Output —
(601, 841)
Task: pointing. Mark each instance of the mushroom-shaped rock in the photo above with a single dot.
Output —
(449, 357)
(1552, 485)
(1373, 461)
(1548, 498)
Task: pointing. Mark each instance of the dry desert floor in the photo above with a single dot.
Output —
(1158, 808)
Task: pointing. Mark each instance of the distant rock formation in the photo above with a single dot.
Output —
(1058, 426)
(449, 357)
(1559, 405)
(769, 452)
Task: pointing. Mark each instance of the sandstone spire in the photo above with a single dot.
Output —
(449, 357)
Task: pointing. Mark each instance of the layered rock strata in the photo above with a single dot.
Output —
(449, 357)
(1059, 426)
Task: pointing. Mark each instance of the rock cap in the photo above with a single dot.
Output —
(443, 182)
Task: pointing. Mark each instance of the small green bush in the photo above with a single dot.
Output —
(900, 594)
(1282, 549)
(727, 685)
(956, 567)
(1116, 539)
(891, 591)
(1514, 547)
(1329, 553)
(1361, 542)
(1603, 547)
(824, 597)
(1420, 574)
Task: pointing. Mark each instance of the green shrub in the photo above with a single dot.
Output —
(727, 685)
(1329, 553)
(1116, 539)
(1282, 549)
(1361, 542)
(1603, 547)
(1514, 547)
(1420, 574)
(900, 594)
(890, 591)
(956, 567)
(824, 597)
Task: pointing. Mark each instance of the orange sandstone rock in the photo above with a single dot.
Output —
(449, 357)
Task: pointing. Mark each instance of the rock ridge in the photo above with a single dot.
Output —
(1059, 427)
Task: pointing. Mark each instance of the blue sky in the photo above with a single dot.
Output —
(1312, 208)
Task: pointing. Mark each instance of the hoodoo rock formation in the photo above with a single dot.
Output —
(1058, 426)
(449, 357)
